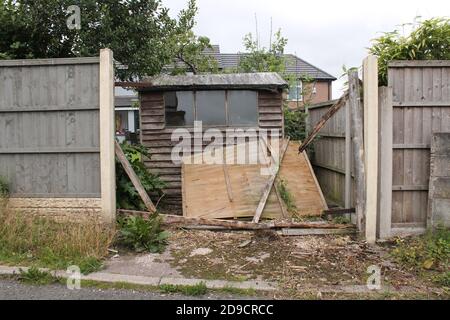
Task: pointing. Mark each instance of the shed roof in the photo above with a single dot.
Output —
(263, 80)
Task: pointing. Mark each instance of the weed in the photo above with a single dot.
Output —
(143, 234)
(4, 188)
(341, 220)
(195, 290)
(427, 254)
(286, 196)
(35, 276)
(237, 291)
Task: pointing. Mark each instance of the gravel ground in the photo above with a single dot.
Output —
(13, 290)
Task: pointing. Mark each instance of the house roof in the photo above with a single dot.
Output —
(294, 64)
(263, 80)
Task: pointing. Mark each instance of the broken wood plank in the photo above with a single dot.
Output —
(134, 178)
(227, 181)
(269, 185)
(235, 224)
(339, 211)
(330, 112)
(309, 232)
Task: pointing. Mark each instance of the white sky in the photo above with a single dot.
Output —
(325, 33)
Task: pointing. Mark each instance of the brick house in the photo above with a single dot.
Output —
(317, 88)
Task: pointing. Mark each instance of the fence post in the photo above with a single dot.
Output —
(370, 80)
(386, 136)
(107, 158)
(354, 104)
(348, 156)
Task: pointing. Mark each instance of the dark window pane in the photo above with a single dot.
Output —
(179, 108)
(211, 107)
(243, 107)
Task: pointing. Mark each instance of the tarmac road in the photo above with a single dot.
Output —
(14, 290)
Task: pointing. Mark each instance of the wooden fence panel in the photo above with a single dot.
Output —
(421, 106)
(328, 153)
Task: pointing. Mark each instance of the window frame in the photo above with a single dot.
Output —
(299, 88)
(227, 114)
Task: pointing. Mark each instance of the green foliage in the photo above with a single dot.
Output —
(287, 197)
(196, 290)
(36, 277)
(127, 196)
(262, 59)
(4, 188)
(140, 32)
(143, 234)
(294, 124)
(430, 252)
(429, 40)
(341, 220)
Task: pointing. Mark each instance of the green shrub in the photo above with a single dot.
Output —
(287, 197)
(127, 196)
(430, 40)
(143, 234)
(295, 124)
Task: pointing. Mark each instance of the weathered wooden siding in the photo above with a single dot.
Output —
(49, 127)
(421, 106)
(328, 152)
(157, 138)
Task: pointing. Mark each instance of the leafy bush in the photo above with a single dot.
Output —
(143, 234)
(295, 124)
(127, 196)
(429, 40)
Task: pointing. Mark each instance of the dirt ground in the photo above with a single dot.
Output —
(334, 267)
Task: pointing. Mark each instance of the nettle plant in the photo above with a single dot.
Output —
(429, 40)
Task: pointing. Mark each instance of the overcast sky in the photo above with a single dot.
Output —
(326, 33)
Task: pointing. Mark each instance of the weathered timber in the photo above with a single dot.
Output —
(315, 131)
(235, 224)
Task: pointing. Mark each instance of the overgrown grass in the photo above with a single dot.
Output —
(195, 290)
(27, 239)
(36, 277)
(427, 255)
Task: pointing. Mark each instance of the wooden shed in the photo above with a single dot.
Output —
(221, 101)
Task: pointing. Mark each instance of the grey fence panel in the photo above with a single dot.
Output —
(421, 106)
(328, 153)
(49, 127)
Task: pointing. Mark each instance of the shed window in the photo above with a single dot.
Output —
(211, 107)
(179, 108)
(242, 107)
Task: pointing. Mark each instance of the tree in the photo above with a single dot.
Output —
(261, 59)
(429, 40)
(140, 32)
